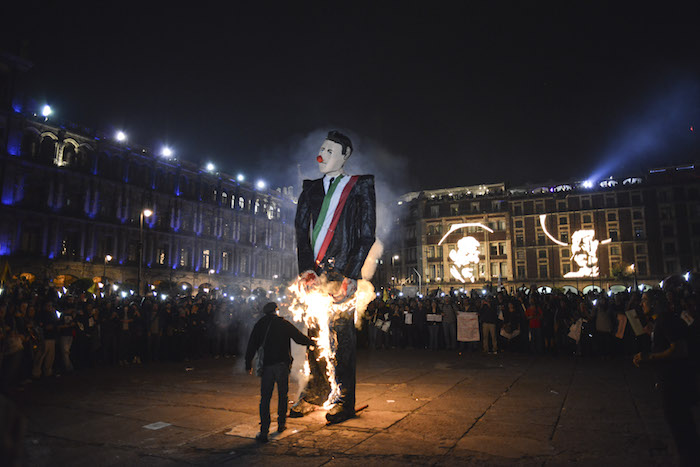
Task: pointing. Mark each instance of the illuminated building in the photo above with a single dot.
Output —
(71, 197)
(650, 221)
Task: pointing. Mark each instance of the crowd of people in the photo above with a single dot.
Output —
(596, 324)
(44, 334)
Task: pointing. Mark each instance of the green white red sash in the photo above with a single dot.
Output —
(332, 207)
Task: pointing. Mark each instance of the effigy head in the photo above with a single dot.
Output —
(335, 150)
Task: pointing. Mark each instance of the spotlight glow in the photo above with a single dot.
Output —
(210, 167)
(120, 136)
(240, 177)
(166, 152)
(260, 184)
(46, 111)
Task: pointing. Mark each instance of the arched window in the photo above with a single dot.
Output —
(224, 198)
(30, 144)
(241, 203)
(47, 150)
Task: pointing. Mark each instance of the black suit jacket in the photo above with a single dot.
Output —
(354, 234)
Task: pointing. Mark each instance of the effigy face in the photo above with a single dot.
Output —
(331, 158)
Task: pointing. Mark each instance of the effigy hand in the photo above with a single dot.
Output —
(347, 289)
(308, 280)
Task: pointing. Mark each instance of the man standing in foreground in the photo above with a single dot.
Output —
(273, 332)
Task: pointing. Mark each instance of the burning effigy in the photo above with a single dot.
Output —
(335, 229)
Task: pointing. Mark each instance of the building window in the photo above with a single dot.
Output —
(565, 268)
(519, 240)
(612, 216)
(564, 236)
(160, 256)
(638, 231)
(585, 203)
(612, 233)
(637, 215)
(520, 254)
(540, 239)
(501, 248)
(205, 259)
(434, 211)
(615, 250)
(225, 260)
(184, 258)
(521, 271)
(561, 205)
(563, 220)
(519, 224)
(475, 207)
(544, 270)
(542, 254)
(586, 218)
(670, 266)
(518, 209)
(641, 268)
(454, 209)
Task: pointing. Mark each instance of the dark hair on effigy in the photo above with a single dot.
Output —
(338, 137)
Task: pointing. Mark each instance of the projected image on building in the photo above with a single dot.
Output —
(465, 258)
(584, 250)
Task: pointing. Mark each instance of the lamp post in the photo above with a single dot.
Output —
(139, 254)
(634, 271)
(108, 258)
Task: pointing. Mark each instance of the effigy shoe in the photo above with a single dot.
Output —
(301, 408)
(339, 413)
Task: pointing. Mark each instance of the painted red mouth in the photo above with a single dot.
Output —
(319, 159)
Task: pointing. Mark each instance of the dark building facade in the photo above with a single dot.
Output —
(71, 202)
(608, 234)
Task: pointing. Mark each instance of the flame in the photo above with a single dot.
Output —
(317, 309)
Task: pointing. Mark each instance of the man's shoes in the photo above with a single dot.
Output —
(339, 413)
(261, 437)
(301, 408)
(281, 427)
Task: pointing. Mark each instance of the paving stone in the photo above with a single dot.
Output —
(447, 409)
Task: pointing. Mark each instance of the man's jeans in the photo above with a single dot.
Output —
(276, 373)
(45, 358)
(489, 329)
(64, 345)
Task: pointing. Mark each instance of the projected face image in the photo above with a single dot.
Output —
(584, 248)
(465, 259)
(330, 157)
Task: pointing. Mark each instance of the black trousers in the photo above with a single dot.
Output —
(343, 328)
(273, 374)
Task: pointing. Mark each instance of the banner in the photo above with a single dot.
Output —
(468, 327)
(433, 317)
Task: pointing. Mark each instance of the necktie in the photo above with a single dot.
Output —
(330, 183)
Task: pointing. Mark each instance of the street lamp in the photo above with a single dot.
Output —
(634, 271)
(108, 258)
(145, 213)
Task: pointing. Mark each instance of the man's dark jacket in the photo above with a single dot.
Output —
(277, 345)
(354, 234)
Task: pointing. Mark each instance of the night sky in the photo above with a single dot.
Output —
(436, 94)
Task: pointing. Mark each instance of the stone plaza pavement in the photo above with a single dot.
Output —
(425, 408)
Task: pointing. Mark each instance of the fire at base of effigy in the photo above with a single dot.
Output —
(315, 306)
